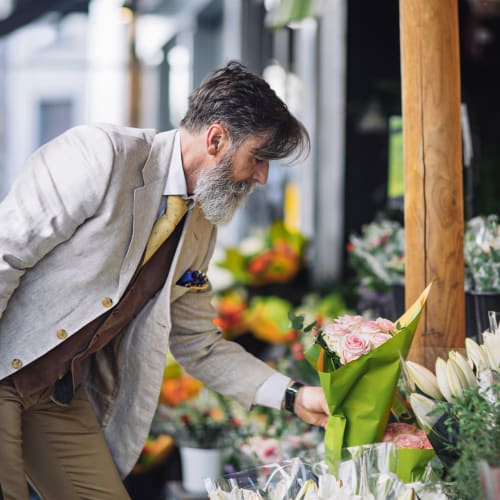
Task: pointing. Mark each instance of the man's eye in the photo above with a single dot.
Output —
(259, 160)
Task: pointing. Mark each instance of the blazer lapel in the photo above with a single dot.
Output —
(184, 255)
(147, 199)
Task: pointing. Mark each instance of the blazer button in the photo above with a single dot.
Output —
(107, 302)
(16, 364)
(61, 334)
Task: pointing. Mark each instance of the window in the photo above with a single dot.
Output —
(55, 116)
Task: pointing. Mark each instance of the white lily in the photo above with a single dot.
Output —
(456, 378)
(477, 355)
(491, 345)
(422, 407)
(470, 378)
(424, 379)
(442, 379)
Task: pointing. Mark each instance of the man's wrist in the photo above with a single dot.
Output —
(290, 395)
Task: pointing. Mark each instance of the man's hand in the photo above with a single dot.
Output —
(311, 406)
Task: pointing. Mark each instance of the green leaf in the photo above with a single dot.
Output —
(296, 321)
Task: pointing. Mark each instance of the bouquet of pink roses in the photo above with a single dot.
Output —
(359, 364)
(349, 337)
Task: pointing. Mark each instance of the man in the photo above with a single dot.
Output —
(90, 301)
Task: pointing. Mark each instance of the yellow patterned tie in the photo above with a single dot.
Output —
(175, 209)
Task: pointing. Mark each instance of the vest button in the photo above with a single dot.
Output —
(16, 364)
(61, 334)
(107, 302)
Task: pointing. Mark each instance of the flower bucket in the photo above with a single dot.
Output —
(484, 302)
(197, 465)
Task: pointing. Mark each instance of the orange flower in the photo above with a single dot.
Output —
(176, 390)
(231, 313)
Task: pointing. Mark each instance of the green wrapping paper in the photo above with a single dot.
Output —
(412, 464)
(360, 393)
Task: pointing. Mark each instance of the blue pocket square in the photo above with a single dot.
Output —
(195, 280)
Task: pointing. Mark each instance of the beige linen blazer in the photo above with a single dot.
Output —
(72, 232)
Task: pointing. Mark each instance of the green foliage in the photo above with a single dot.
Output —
(474, 425)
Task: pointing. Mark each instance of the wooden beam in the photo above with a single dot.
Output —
(434, 220)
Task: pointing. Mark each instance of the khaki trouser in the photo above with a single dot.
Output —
(60, 450)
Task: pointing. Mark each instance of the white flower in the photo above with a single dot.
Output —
(422, 406)
(424, 379)
(477, 355)
(470, 378)
(442, 379)
(491, 345)
(456, 379)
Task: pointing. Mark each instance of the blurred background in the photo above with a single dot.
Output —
(335, 63)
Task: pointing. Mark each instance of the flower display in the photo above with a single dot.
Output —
(273, 256)
(231, 306)
(366, 475)
(267, 319)
(377, 254)
(453, 376)
(459, 408)
(190, 412)
(482, 253)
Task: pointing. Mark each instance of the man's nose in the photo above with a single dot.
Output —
(261, 173)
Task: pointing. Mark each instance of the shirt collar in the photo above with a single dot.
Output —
(176, 180)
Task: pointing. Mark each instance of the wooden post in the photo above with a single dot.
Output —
(434, 219)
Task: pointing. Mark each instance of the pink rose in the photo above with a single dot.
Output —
(385, 325)
(379, 338)
(369, 327)
(332, 334)
(335, 330)
(353, 346)
(406, 436)
(349, 321)
(408, 441)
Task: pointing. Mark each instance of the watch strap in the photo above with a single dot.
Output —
(291, 394)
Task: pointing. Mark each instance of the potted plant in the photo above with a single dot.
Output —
(200, 421)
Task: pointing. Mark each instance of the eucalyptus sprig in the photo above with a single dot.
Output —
(297, 324)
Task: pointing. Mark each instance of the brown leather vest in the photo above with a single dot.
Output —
(52, 366)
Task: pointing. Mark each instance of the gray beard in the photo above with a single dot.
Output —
(218, 195)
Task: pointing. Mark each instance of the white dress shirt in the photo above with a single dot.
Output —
(272, 391)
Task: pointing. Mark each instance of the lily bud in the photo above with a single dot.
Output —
(442, 379)
(491, 345)
(422, 407)
(471, 380)
(477, 355)
(456, 378)
(424, 379)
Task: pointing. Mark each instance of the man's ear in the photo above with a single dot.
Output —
(216, 139)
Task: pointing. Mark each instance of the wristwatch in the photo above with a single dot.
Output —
(290, 395)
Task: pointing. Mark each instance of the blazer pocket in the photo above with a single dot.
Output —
(177, 292)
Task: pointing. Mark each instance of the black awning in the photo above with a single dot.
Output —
(26, 11)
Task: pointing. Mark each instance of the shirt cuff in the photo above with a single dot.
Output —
(272, 391)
